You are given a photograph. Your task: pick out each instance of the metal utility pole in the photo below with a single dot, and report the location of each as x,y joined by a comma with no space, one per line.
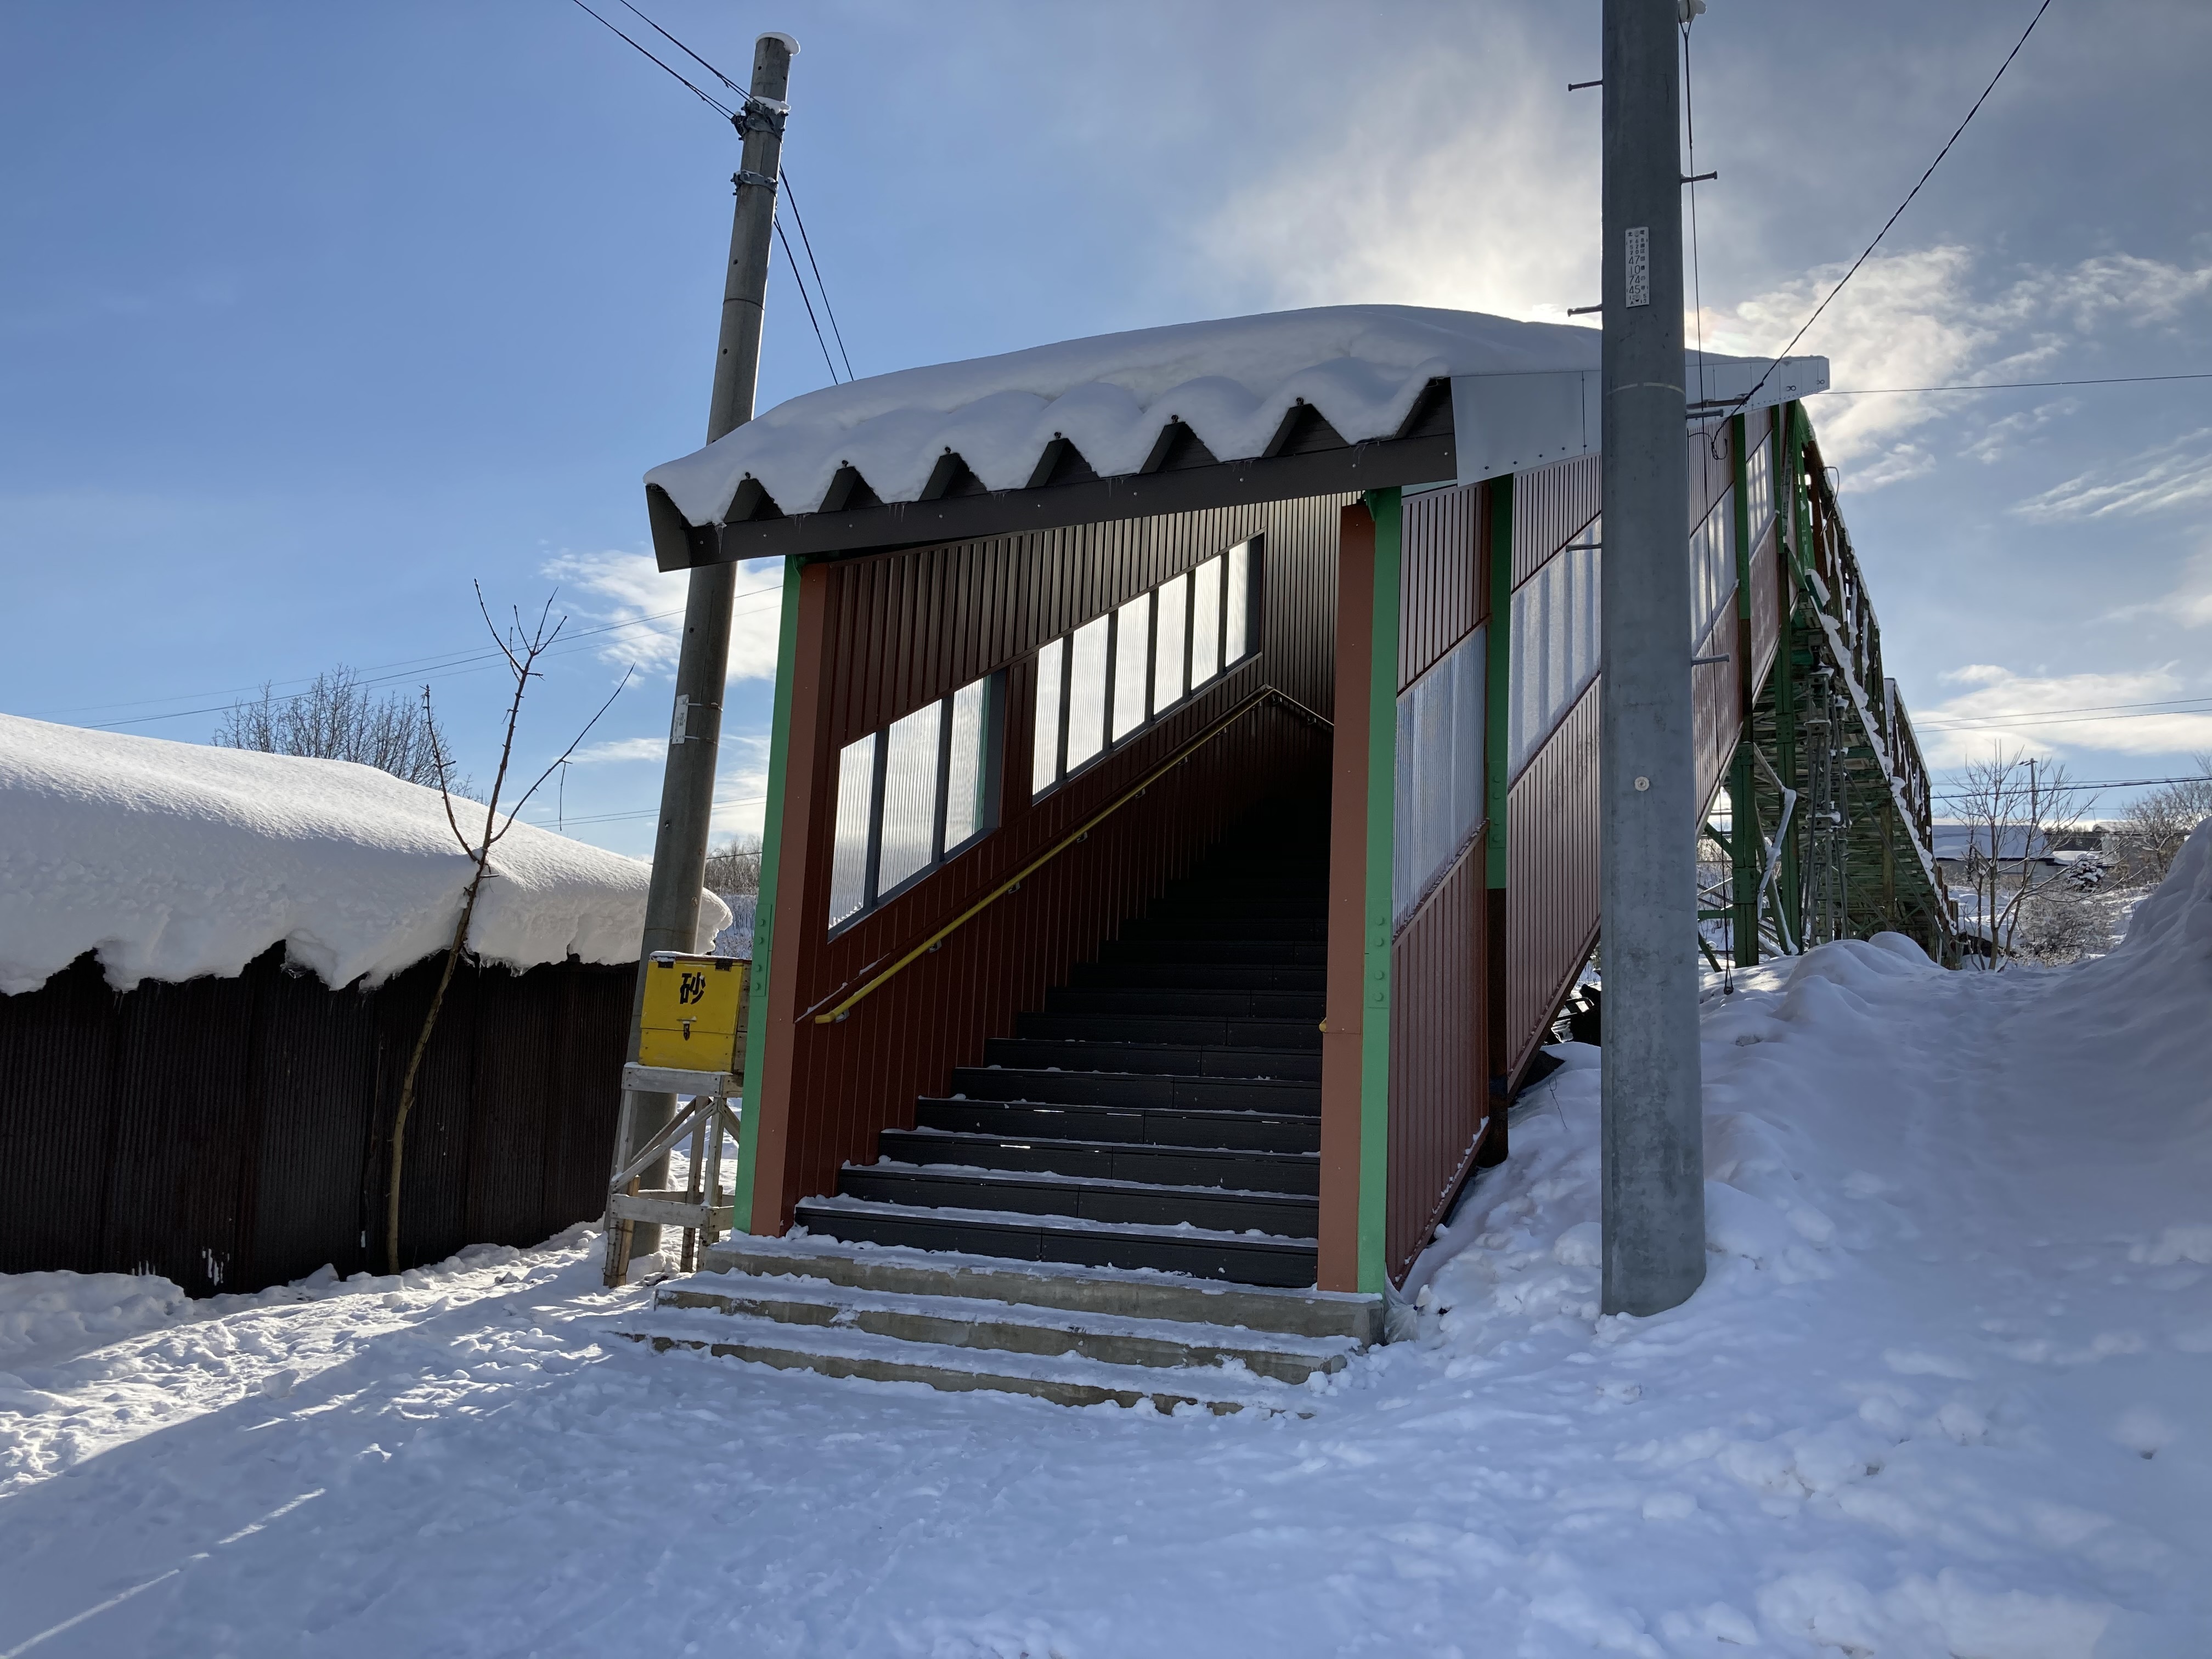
694,733
1654,1128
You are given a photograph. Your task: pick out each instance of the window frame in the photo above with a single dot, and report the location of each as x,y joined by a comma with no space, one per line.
1254,550
990,746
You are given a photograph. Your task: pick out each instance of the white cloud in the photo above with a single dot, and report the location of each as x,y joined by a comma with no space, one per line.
2176,473
2189,603
617,750
629,589
741,786
1926,319
1474,184
1997,709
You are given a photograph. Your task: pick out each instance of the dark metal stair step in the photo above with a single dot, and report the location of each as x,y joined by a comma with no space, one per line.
1135,1125
1208,1030
1249,977
1114,1161
1235,905
1184,1002
1244,1260
1314,928
1172,1059
1276,954
1281,1215
1299,1096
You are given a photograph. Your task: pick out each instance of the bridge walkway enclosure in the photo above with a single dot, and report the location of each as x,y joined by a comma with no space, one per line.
1181,827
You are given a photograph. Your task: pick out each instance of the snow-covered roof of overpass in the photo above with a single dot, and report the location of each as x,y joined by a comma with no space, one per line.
1242,388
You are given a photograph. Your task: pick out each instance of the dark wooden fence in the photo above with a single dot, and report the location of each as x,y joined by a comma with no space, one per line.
231,1134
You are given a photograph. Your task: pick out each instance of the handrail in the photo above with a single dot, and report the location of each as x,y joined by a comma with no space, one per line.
1267,694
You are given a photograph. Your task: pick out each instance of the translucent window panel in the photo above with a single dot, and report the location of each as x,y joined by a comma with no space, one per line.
1171,638
1204,623
1712,565
1132,668
1235,619
848,860
1044,764
964,776
1086,692
1758,485
909,813
1556,623
1438,781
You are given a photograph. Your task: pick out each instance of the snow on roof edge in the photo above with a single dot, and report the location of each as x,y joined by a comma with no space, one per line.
175,861
1232,381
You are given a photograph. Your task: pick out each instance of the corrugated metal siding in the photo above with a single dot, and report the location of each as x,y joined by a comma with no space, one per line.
1551,505
909,627
1443,597
1551,859
1715,704
230,1133
1439,1057
1712,469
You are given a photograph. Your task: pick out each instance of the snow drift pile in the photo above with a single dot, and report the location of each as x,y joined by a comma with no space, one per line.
173,860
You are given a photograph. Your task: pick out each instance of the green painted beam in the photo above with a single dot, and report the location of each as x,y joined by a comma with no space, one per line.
1497,688
1388,507
779,754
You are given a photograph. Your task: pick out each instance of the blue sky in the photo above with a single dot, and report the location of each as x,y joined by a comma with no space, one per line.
313,315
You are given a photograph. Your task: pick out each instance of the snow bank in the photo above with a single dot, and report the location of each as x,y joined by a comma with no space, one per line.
1230,381
172,859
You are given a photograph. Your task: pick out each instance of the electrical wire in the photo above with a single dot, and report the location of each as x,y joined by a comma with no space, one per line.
2038,714
820,286
2014,385
716,104
687,51
1901,206
811,318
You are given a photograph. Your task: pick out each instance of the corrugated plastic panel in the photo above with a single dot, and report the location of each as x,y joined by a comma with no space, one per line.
1716,706
1552,859
1439,1059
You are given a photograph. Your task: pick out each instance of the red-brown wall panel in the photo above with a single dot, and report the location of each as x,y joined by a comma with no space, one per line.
1551,860
1441,595
1439,1057
1551,506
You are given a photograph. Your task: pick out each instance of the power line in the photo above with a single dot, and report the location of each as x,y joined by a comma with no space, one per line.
2038,714
716,104
450,667
806,241
1901,206
801,282
2014,385
687,51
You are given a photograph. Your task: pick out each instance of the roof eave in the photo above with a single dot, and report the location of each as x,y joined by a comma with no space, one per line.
1376,464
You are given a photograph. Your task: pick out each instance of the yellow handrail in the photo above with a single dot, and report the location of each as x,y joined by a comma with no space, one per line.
1265,694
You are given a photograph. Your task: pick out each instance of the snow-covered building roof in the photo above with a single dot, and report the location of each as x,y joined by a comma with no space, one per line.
1237,393
173,861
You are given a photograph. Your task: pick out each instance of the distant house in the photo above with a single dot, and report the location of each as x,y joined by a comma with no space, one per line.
213,967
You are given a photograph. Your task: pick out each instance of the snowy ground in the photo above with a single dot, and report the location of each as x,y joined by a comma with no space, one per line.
1944,1392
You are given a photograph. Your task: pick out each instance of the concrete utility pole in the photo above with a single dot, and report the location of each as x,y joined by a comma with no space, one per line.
1654,1135
694,734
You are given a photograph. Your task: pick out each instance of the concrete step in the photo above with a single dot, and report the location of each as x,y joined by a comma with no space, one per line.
1065,1379
1141,1294
1083,1198
1142,999
1240,1258
995,1327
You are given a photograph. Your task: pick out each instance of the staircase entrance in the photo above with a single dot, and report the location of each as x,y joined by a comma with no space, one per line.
1162,1109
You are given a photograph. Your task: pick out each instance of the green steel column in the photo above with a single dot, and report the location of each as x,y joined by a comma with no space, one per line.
1743,802
779,749
1789,888
1386,507
1497,705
